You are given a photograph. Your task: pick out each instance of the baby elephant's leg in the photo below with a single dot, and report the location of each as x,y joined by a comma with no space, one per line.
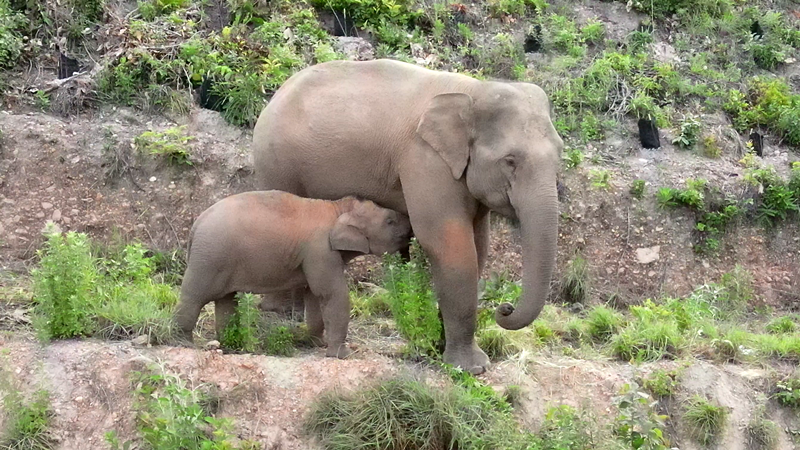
195,294
314,321
224,308
335,309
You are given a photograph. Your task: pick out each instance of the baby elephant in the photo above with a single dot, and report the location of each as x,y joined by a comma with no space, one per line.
272,241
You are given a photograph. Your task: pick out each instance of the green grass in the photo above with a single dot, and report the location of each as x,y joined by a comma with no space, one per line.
661,382
408,413
575,281
27,422
602,323
704,420
171,144
782,325
762,433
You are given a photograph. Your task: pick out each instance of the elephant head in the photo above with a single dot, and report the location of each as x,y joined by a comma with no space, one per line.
500,138
368,228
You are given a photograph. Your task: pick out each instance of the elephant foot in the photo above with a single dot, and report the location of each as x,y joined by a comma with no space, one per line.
183,338
340,351
469,358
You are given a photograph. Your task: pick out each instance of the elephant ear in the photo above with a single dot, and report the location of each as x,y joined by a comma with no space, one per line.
446,127
346,236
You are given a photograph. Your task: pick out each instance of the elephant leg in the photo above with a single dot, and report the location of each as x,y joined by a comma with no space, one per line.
335,315
450,245
224,308
316,326
196,292
481,228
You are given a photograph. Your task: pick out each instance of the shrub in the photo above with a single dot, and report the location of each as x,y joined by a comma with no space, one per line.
412,301
403,413
173,416
689,132
573,158
711,148
11,42
661,383
63,285
171,143
704,420
638,189
575,281
637,424
280,341
564,427
241,331
787,392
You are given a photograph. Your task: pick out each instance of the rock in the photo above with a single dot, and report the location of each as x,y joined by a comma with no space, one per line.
153,179
46,205
647,255
141,341
354,48
40,215
651,274
56,215
211,345
2,230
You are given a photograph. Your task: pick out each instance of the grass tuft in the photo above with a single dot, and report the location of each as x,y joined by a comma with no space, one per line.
704,420
575,281
762,433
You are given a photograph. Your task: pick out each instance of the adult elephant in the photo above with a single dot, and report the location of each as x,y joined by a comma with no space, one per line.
443,148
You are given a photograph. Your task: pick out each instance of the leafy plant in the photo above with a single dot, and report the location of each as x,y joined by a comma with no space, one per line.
564,427
601,178
704,420
241,332
280,341
171,143
63,285
638,189
661,383
412,301
573,157
27,421
173,416
711,148
11,41
787,392
637,424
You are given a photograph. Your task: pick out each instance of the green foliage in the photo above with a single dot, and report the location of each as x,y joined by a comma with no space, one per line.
602,322
593,32
412,301
575,281
777,197
710,146
500,288
173,416
499,8
280,341
637,424
601,178
573,158
150,9
496,343
26,421
63,285
78,294
403,413
564,427
762,433
590,128
172,144
638,189
768,103
685,9
12,24
787,392
240,332
661,382
704,420
689,133
784,324
648,338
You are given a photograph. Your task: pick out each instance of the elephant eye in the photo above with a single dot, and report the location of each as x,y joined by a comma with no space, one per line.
510,161
390,221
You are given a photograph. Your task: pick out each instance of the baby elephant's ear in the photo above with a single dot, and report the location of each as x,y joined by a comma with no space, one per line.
347,237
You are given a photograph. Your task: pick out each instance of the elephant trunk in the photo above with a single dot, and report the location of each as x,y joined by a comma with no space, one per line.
537,210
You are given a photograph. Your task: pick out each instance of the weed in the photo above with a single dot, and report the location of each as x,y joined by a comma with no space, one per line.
661,382
500,288
499,8
63,285
241,332
637,423
27,421
12,24
564,427
689,132
496,343
403,413
573,158
412,301
787,392
711,148
602,322
762,433
704,420
172,415
171,143
593,32
369,304
280,341
601,178
785,324
638,189
651,336
575,281
150,9
590,128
